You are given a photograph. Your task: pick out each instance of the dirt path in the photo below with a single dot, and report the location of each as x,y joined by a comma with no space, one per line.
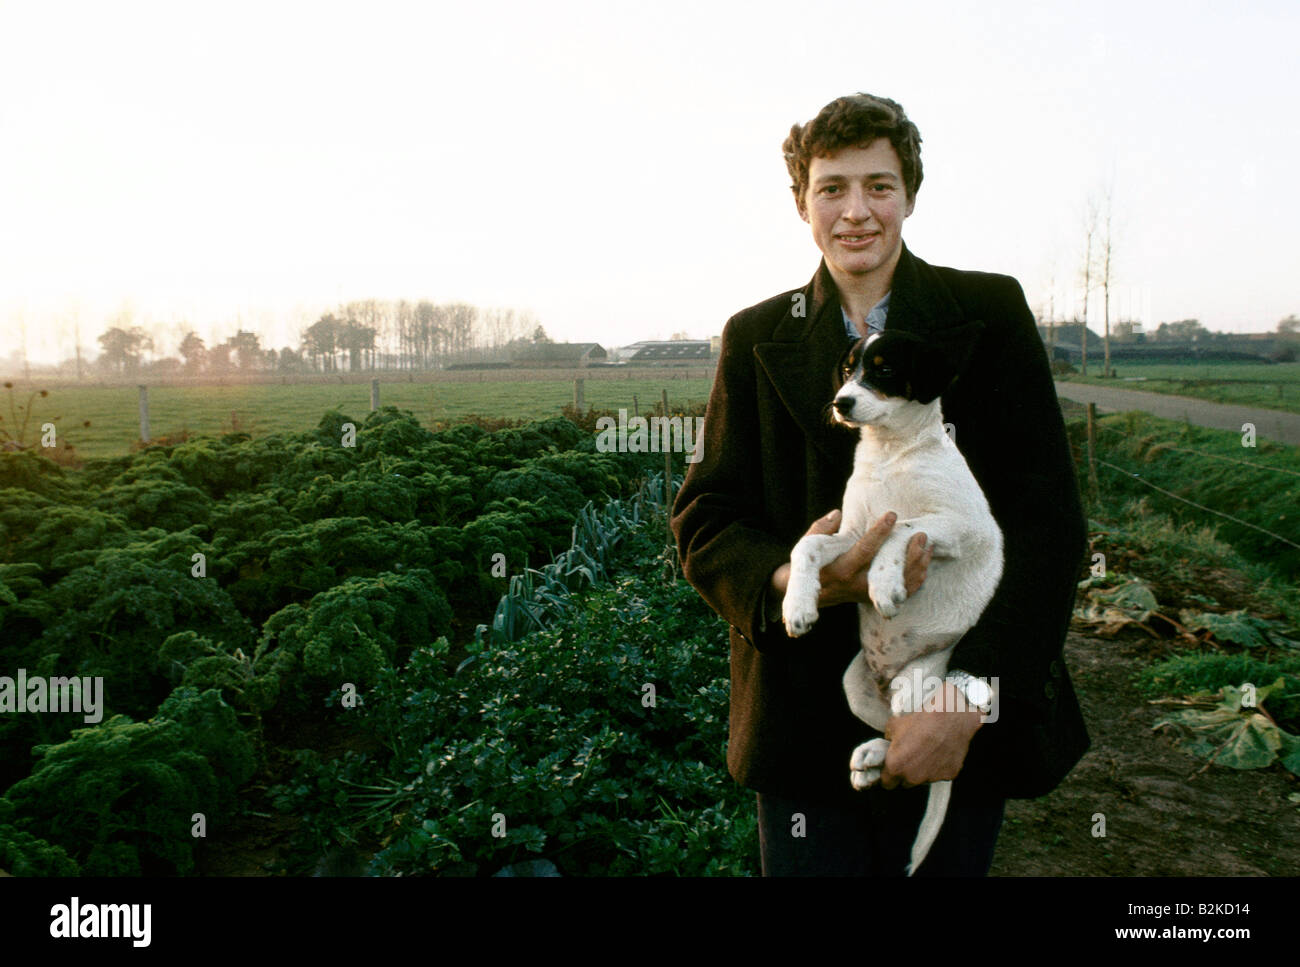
1163,816
1269,424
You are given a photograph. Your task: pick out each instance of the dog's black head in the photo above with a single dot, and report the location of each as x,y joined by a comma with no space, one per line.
904,365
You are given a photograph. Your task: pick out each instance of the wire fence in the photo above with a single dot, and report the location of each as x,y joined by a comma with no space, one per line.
1209,456
1094,462
1209,510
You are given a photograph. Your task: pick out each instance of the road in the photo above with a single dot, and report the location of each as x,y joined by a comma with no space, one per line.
1269,424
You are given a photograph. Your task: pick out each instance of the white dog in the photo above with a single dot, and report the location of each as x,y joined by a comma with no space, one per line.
905,462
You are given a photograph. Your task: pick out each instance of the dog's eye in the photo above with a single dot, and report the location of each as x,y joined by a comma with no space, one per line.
886,370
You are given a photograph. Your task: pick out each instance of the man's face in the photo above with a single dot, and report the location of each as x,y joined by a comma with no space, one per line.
856,204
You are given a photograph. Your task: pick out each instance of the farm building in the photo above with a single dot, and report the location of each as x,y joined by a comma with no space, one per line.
559,355
674,351
1063,343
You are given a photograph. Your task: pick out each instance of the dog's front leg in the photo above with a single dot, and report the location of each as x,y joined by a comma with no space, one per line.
887,587
885,578
810,555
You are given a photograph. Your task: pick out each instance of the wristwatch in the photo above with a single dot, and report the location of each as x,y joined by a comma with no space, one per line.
978,692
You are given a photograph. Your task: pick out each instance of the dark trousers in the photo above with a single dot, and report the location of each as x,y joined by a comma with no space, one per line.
873,836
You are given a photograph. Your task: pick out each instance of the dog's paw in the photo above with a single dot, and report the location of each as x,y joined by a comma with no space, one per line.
888,592
864,765
864,779
798,616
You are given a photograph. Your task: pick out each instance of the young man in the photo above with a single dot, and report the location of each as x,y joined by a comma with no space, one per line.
773,467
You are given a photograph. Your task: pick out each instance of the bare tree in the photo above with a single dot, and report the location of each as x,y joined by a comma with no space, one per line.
427,332
1108,248
76,335
461,318
409,335
1090,237
1051,315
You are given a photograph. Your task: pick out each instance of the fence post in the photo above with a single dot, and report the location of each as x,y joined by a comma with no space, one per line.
144,414
668,475
1093,488
579,403
636,409
374,395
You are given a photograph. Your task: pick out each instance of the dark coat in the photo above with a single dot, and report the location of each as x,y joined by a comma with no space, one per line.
772,463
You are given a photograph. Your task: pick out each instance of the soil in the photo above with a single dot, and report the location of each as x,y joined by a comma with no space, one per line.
1164,816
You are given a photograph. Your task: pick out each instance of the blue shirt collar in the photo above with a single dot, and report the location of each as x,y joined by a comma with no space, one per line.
875,319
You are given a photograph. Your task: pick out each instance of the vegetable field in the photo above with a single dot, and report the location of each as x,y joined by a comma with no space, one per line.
391,651
251,603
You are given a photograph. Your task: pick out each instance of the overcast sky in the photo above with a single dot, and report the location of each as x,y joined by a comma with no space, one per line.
615,167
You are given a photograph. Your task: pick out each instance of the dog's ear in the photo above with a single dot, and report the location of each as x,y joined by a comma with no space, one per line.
945,356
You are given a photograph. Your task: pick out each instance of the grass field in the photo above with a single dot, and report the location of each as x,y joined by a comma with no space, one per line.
113,412
1247,384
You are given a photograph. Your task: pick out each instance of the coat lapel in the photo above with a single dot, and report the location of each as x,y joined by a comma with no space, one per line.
802,360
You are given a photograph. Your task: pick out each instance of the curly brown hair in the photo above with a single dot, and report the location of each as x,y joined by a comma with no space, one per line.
853,121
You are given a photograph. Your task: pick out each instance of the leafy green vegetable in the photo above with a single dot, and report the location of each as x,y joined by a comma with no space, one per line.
1131,601
119,797
1233,735
1238,627
352,631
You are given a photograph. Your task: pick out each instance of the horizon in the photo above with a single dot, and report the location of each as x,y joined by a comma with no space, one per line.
13,366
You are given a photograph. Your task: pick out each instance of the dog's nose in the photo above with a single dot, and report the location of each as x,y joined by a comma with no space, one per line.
843,404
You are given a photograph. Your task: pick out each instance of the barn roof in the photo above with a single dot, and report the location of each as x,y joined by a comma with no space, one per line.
677,349
558,352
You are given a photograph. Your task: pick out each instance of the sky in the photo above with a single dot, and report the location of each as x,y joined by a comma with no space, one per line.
615,168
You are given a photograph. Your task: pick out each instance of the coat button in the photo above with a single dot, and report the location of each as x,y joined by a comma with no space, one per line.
1049,691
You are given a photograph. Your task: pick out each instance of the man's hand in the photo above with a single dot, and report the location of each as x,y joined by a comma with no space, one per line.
929,746
845,578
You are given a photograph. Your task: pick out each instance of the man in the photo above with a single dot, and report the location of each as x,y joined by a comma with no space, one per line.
772,467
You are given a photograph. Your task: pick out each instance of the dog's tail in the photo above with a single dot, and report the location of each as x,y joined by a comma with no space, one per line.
935,809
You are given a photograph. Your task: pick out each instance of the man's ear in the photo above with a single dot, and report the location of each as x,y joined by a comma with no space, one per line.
911,205
798,204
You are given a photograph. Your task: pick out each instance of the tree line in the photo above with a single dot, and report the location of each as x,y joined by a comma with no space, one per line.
363,336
